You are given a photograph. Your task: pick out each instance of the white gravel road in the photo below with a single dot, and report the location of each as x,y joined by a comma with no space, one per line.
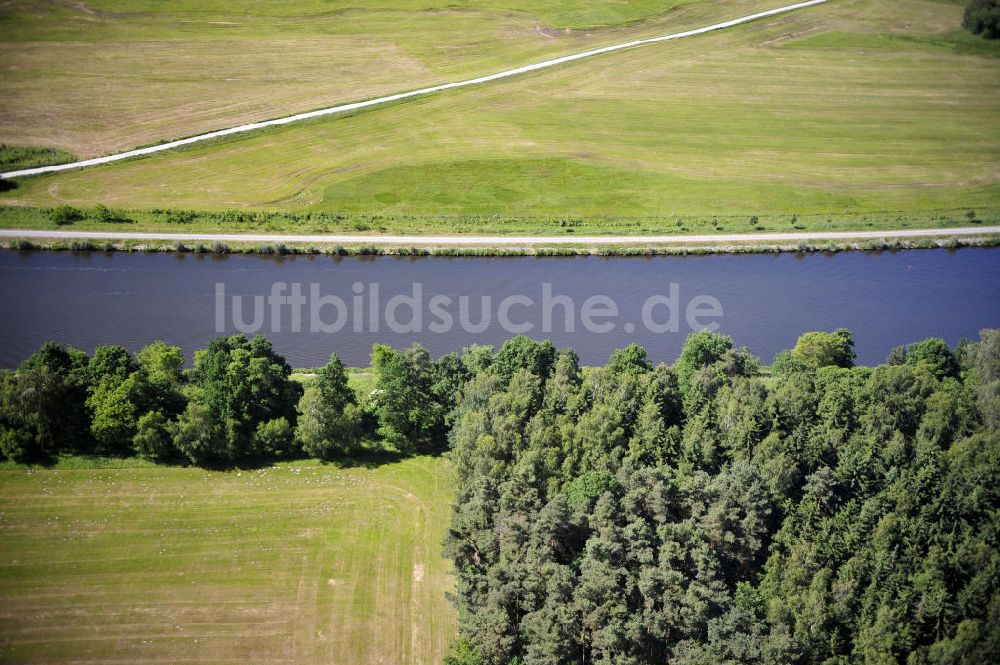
403,95
432,241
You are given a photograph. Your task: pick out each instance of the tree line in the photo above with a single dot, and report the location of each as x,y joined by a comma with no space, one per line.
238,404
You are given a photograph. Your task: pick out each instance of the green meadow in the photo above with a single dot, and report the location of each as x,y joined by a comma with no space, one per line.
101,76
295,563
854,114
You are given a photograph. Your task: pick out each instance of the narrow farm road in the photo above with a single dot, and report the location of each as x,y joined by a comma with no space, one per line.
343,108
489,241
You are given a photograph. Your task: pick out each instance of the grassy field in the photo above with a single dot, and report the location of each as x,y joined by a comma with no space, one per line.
98,76
302,563
843,115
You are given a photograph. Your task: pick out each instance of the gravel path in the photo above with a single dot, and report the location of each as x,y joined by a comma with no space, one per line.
431,240
403,95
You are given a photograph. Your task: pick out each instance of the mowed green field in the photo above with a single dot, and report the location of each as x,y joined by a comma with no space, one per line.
99,76
296,564
854,114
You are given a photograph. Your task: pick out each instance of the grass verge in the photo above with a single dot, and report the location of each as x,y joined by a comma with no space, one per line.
14,157
277,222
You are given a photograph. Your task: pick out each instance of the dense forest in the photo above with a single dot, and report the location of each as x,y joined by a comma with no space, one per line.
713,511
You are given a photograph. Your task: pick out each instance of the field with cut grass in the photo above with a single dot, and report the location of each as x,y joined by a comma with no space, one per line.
99,76
853,114
301,563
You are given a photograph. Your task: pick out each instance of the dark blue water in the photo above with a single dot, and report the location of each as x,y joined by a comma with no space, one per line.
767,301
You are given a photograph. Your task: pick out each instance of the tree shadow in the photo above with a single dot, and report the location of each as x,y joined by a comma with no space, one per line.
369,459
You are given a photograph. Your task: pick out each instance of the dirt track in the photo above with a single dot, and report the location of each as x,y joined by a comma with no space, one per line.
718,240
403,95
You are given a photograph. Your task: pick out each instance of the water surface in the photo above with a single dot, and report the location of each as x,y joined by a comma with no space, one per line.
890,298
